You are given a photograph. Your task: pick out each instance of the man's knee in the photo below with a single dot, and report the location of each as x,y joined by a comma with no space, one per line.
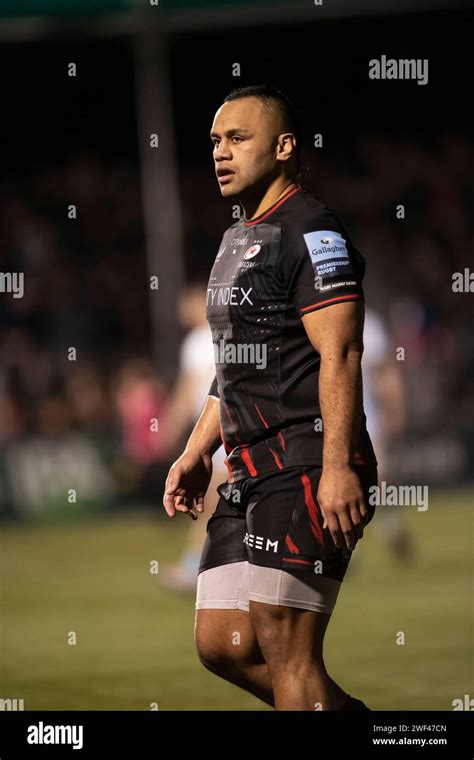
214,655
269,622
222,642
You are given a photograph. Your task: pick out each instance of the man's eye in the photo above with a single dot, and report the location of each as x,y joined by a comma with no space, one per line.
234,137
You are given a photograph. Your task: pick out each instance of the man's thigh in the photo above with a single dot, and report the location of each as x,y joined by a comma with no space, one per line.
293,562
224,634
265,543
222,581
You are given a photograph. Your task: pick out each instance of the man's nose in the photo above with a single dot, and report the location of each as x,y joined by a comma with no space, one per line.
222,152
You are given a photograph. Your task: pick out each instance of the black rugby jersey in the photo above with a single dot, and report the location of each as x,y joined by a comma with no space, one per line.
270,271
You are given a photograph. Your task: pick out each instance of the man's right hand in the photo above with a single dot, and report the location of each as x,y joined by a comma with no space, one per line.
187,481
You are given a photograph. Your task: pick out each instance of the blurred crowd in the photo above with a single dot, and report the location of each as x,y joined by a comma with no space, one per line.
85,288
407,205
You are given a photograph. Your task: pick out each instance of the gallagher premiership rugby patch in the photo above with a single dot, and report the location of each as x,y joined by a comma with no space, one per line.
328,253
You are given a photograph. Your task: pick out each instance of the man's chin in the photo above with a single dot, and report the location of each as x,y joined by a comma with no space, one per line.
228,190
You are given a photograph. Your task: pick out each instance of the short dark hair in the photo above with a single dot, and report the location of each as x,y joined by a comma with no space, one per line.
272,96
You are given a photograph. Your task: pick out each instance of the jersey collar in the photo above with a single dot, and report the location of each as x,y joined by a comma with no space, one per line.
273,207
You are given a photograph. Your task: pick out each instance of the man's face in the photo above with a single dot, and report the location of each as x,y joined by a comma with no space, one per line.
244,144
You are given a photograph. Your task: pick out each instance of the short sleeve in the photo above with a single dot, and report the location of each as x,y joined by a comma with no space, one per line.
214,390
319,264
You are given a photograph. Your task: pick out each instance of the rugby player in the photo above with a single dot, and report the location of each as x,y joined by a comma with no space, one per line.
285,305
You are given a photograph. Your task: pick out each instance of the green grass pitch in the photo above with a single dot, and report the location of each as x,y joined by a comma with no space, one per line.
135,641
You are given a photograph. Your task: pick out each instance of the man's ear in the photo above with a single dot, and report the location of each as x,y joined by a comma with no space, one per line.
285,140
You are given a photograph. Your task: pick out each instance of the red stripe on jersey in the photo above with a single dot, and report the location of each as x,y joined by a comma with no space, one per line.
272,208
246,458
277,461
280,436
291,546
300,561
261,416
349,296
312,510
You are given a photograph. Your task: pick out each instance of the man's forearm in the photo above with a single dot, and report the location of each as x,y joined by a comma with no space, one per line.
206,436
340,397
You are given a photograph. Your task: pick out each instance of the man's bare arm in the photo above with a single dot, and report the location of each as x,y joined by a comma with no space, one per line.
206,435
189,477
336,333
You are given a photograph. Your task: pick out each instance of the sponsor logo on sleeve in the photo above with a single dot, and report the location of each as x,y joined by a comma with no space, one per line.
329,254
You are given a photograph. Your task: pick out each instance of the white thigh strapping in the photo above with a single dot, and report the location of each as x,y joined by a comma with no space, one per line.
231,587
224,588
305,590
